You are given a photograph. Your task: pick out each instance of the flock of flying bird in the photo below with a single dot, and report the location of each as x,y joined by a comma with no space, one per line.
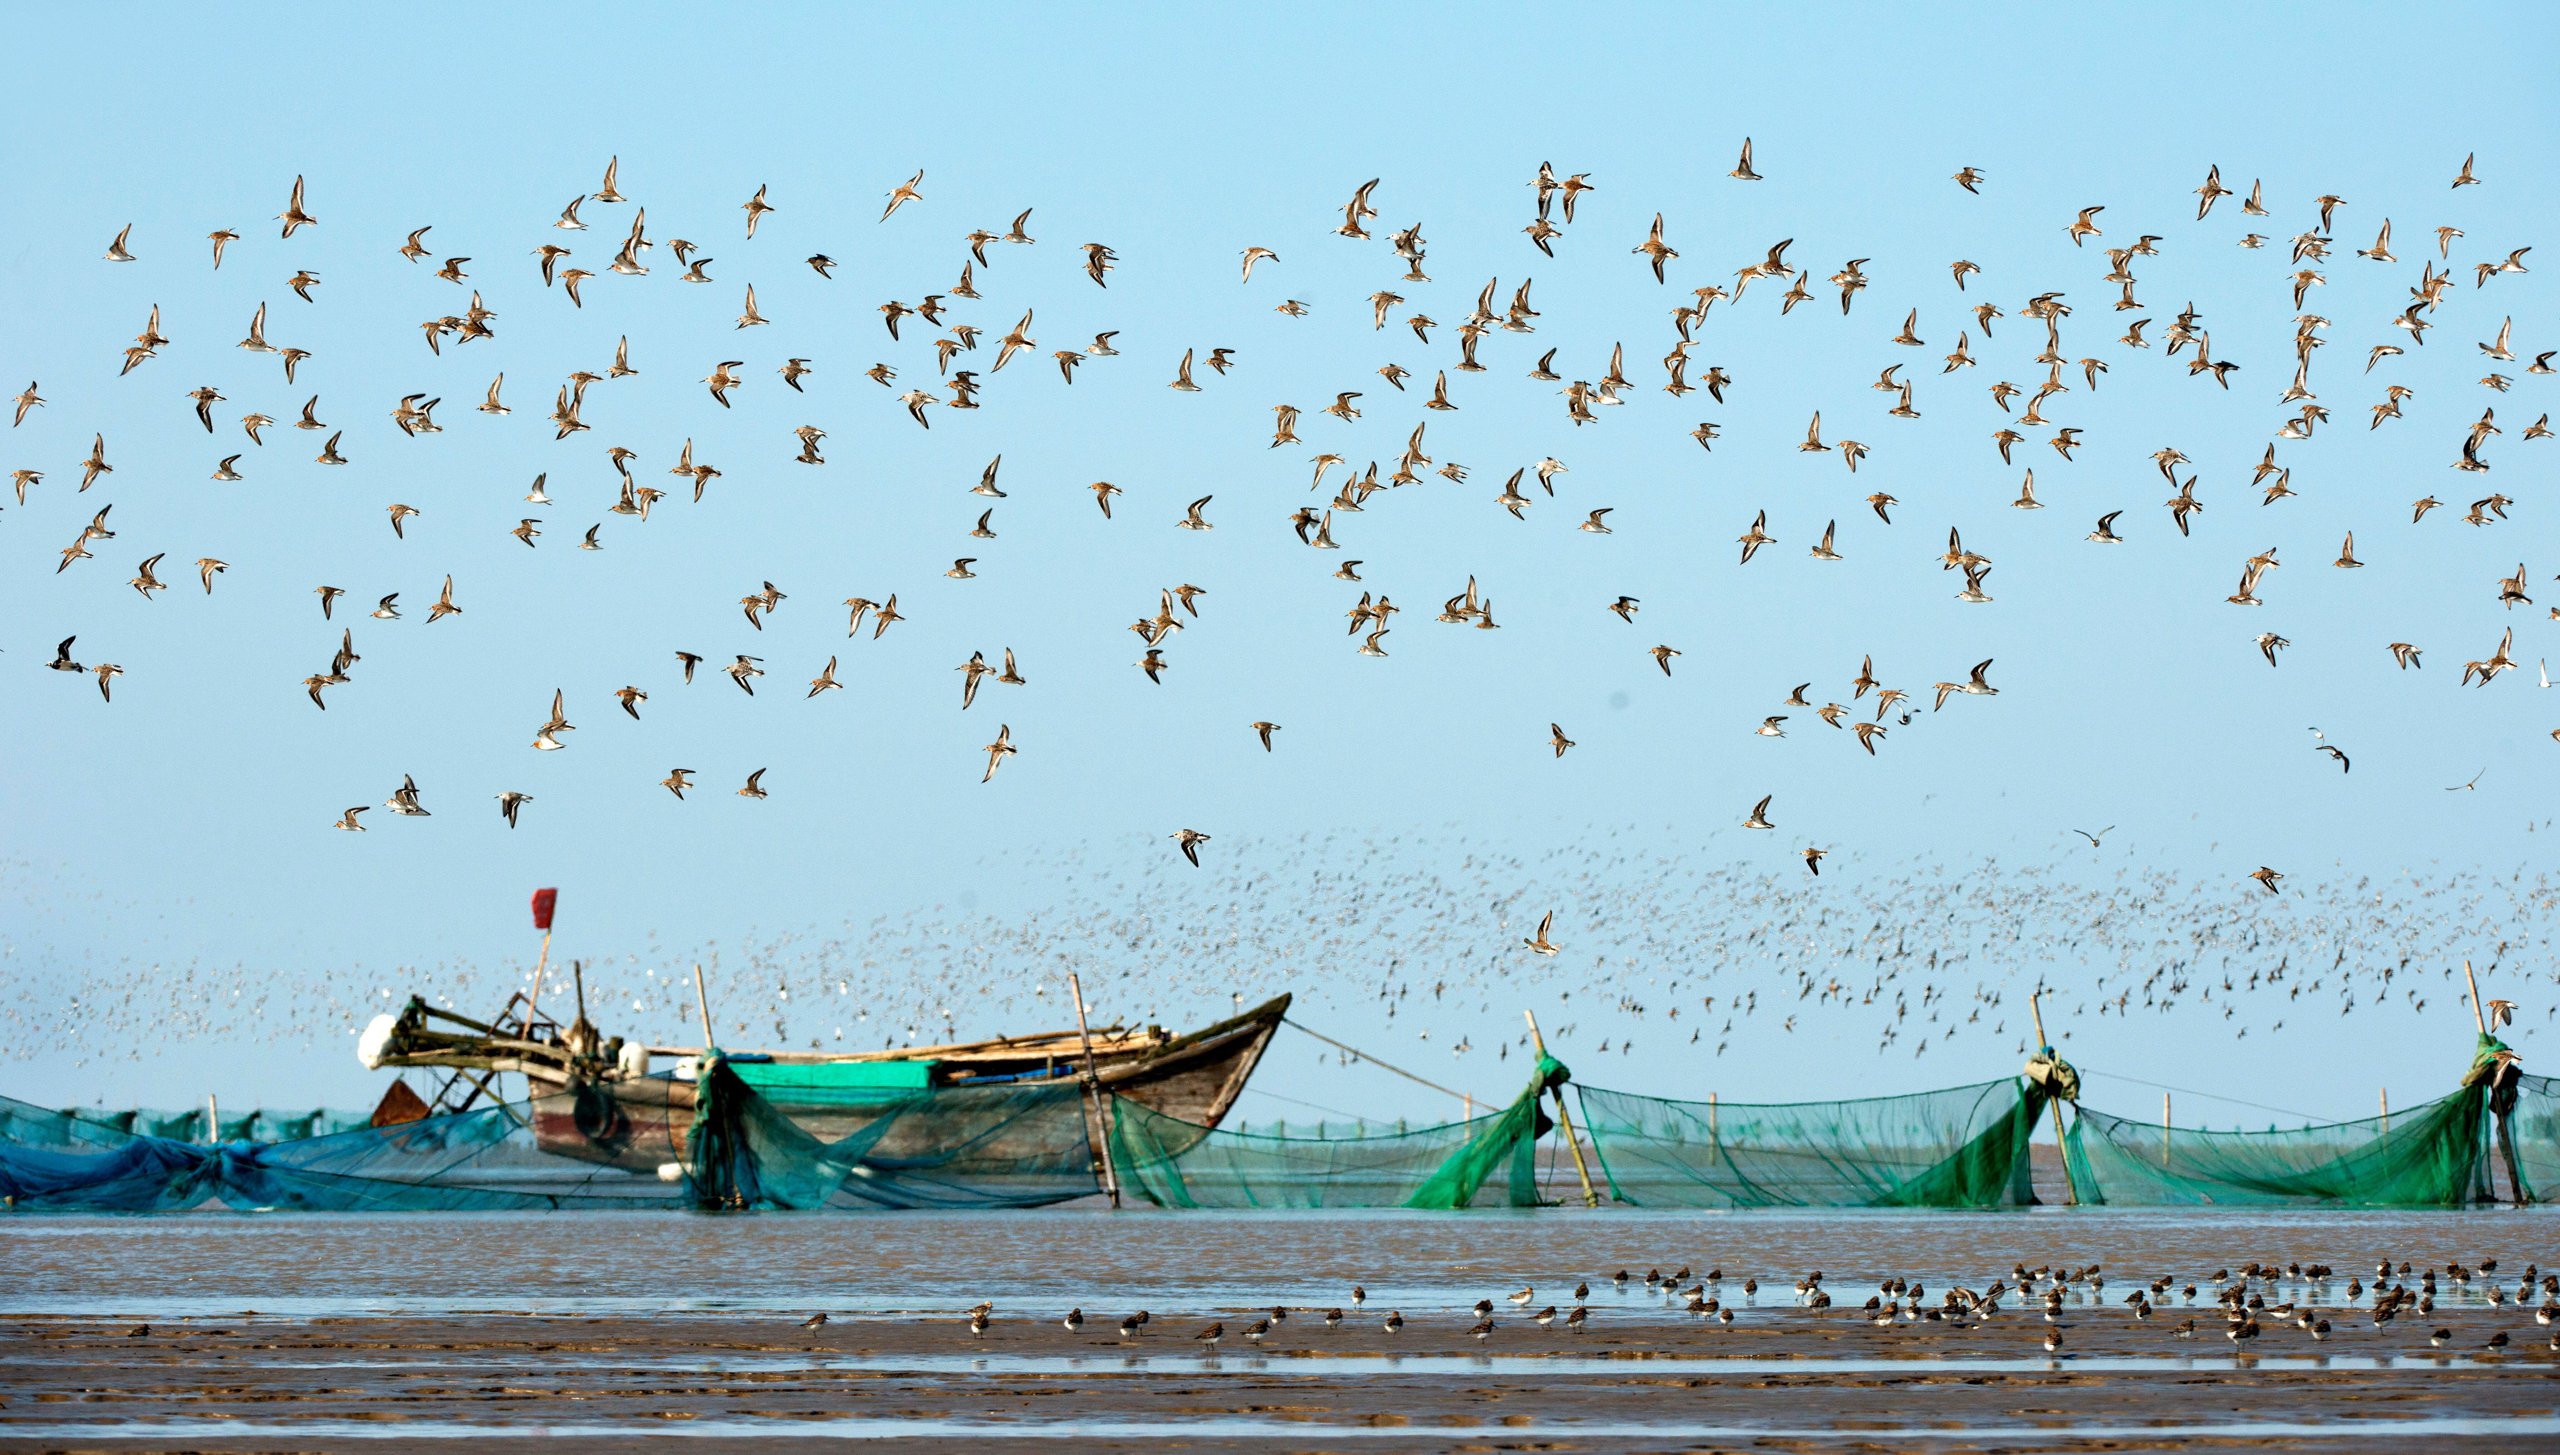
2027,415
1723,975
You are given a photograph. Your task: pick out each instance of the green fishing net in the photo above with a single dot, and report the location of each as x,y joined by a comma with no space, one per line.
2429,1156
719,1142
2446,1153
1173,1163
1961,1147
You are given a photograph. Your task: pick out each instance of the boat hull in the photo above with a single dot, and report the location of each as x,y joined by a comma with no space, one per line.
988,1125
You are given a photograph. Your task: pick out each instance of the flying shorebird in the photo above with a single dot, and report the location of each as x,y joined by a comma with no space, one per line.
404,799
999,750
1540,942
904,193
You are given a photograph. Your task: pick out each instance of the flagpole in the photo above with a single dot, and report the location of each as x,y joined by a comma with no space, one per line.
545,903
533,1001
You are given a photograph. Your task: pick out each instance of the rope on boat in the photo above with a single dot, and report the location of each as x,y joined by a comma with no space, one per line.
1466,1097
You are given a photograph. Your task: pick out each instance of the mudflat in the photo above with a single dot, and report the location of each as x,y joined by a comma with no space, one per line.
233,1333
1788,1378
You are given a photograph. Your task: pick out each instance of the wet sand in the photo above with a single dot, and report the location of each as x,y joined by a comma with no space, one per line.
613,1333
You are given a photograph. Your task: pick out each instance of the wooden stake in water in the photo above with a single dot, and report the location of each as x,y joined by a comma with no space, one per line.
2506,1150
2070,1188
1564,1120
1094,1108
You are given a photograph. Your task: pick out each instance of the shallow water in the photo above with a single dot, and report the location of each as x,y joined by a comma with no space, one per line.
320,1265
1318,1364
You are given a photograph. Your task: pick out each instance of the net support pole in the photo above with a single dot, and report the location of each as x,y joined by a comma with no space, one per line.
702,1002
1564,1120
1094,1110
2070,1189
212,1120
2164,1131
2506,1151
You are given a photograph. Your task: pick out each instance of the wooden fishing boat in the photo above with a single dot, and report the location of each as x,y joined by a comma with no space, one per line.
956,1106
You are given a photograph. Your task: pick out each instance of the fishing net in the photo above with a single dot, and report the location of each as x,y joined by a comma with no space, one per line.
944,1147
1962,1147
2534,1129
503,1156
720,1142
2436,1155
967,1147
2429,1156
1173,1163
265,1124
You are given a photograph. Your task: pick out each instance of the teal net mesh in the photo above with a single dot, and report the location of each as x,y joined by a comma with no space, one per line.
2534,1125
505,1156
947,1147
652,1143
265,1124
1486,1161
1961,1147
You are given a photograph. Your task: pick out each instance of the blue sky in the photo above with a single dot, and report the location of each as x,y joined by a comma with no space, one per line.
173,847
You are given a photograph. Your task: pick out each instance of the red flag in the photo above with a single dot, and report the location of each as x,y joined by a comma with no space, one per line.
543,901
